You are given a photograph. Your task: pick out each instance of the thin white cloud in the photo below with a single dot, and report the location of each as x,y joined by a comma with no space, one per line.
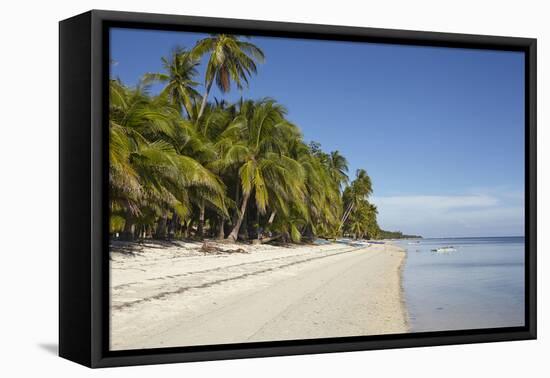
438,202
458,215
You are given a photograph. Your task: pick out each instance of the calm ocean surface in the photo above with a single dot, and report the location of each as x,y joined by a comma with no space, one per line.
480,285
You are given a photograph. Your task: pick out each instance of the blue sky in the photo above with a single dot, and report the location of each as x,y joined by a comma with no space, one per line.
439,130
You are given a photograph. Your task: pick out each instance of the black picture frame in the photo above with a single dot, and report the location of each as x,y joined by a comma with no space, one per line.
83,228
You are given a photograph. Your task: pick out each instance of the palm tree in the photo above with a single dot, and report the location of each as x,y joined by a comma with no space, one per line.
231,59
338,167
323,196
172,170
362,221
180,69
362,185
253,145
358,191
207,130
147,173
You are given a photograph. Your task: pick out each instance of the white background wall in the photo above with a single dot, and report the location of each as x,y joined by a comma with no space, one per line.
29,185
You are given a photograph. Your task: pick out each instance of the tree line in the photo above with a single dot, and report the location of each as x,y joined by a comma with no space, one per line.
185,166
397,235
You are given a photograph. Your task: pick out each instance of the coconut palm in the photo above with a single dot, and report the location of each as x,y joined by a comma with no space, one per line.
323,196
359,190
180,69
174,171
146,171
231,60
362,185
207,130
253,145
338,167
362,221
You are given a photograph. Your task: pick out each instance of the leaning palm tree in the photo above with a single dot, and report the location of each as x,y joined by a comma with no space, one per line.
180,70
231,60
338,167
323,196
362,221
355,194
362,185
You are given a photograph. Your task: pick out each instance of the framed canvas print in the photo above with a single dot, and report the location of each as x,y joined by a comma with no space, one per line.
234,188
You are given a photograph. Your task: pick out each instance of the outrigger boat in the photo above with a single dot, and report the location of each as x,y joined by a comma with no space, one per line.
444,249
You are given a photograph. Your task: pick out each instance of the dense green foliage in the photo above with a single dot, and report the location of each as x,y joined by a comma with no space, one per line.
397,235
181,166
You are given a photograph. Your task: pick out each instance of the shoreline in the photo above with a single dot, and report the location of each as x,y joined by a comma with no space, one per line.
172,294
402,294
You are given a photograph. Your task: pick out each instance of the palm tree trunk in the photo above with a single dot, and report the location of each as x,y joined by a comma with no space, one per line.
235,232
128,232
221,232
200,229
204,99
129,227
172,226
244,230
346,215
258,229
188,112
237,197
161,227
272,217
185,230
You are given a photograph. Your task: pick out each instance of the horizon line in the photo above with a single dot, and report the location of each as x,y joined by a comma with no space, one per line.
472,237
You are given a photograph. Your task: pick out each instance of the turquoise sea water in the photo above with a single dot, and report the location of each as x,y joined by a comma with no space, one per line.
480,285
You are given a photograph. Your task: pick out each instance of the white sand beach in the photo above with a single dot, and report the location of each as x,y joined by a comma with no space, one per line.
175,295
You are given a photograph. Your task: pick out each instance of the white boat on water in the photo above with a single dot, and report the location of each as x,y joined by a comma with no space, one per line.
447,249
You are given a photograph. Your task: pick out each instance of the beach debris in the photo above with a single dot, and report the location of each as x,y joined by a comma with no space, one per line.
212,248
